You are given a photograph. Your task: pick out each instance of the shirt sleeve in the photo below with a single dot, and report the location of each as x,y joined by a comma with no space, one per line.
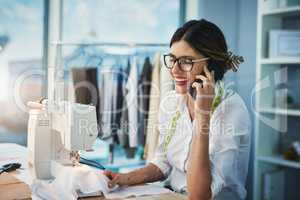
229,148
223,167
160,157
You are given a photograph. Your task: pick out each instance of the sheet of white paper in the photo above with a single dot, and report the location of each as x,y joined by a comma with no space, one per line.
141,190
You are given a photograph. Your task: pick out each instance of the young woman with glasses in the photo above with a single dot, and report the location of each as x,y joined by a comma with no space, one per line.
203,147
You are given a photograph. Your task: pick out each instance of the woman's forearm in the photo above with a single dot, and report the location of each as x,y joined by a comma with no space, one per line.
147,174
198,173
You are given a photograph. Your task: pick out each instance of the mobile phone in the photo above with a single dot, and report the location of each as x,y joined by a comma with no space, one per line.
193,92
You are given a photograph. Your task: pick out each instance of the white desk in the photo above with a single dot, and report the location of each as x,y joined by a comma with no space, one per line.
15,153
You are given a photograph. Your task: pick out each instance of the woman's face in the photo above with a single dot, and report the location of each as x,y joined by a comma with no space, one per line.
183,80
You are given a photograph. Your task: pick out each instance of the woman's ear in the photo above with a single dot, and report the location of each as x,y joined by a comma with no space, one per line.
202,72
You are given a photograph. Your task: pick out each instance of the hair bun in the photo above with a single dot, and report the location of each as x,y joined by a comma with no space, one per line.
233,61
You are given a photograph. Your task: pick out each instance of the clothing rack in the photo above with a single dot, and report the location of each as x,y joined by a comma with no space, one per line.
117,44
57,45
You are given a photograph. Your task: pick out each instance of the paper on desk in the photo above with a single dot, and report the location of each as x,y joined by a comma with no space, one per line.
141,190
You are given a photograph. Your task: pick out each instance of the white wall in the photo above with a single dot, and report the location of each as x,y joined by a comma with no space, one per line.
246,46
192,11
224,14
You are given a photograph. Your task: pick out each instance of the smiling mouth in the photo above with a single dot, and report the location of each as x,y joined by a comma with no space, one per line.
181,82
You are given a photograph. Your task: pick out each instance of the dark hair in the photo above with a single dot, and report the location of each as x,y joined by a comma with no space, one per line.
207,38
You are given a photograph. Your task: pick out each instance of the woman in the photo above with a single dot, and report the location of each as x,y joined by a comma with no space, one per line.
204,128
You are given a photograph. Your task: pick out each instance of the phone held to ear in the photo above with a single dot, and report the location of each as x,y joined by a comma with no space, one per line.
193,90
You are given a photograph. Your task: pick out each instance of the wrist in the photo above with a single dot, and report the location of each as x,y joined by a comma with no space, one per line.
203,119
203,124
129,178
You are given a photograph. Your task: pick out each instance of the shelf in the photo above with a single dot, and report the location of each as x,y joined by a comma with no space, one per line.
280,111
267,139
279,160
288,11
283,60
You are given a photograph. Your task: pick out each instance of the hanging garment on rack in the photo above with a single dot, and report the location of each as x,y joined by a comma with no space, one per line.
85,81
152,132
123,132
144,87
105,79
107,93
117,102
112,84
124,121
132,103
166,81
120,97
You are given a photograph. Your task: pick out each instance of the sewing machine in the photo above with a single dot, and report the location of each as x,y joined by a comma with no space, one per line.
56,132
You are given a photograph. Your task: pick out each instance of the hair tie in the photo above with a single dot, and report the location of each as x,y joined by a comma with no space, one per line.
233,61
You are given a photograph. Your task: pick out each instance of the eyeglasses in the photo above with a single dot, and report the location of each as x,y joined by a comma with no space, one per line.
184,64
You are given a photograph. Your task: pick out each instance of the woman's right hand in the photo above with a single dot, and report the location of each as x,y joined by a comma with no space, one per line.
116,179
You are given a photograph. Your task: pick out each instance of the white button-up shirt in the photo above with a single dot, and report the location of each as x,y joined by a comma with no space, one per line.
229,145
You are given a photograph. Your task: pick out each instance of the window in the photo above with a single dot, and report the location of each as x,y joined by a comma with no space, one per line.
21,45
120,21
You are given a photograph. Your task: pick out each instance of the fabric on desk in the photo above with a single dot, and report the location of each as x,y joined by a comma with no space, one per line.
229,144
42,190
87,180
152,129
70,179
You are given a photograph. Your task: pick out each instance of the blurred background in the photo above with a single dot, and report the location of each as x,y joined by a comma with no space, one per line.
109,35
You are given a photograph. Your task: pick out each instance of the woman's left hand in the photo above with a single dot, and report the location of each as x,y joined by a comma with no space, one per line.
205,94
